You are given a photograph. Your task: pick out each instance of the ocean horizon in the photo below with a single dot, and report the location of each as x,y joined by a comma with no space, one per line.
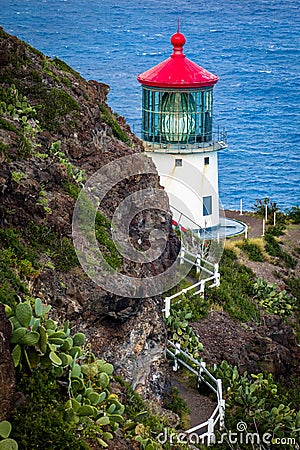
253,46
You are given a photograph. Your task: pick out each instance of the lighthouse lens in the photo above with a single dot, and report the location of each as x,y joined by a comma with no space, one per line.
178,117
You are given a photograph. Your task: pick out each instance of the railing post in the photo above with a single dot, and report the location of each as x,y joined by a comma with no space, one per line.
182,252
202,287
167,306
177,351
221,403
198,264
222,414
210,430
199,378
217,275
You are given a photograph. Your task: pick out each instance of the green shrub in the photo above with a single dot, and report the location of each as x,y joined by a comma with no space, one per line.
62,65
259,207
60,249
73,172
252,250
175,403
197,305
39,422
71,189
277,230
57,104
273,247
110,120
6,125
236,288
293,214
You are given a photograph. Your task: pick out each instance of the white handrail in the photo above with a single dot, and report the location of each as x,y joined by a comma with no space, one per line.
218,414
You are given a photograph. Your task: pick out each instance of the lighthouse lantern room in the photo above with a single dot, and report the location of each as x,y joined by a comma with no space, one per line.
177,113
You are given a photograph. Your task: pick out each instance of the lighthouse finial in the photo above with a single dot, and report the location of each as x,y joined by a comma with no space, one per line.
178,27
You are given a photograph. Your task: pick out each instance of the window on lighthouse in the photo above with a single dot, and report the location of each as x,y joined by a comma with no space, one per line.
178,117
207,205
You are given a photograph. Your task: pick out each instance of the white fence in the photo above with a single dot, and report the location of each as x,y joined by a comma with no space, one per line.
205,430
198,287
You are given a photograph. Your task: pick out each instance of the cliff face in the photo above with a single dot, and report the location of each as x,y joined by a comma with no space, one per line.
55,130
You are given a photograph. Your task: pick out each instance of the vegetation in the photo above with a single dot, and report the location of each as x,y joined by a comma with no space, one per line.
252,250
62,65
175,403
235,292
14,106
293,214
274,301
274,249
143,425
110,120
180,332
73,172
254,400
47,353
6,443
260,206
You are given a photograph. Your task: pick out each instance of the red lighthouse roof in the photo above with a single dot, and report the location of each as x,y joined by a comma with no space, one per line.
177,71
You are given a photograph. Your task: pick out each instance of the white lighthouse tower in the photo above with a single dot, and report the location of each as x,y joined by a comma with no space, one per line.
177,108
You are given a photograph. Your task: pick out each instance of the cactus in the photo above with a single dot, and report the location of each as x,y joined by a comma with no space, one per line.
103,421
105,367
7,443
39,341
66,359
17,335
30,338
55,359
50,324
16,355
87,410
76,352
24,314
68,344
76,371
94,398
78,339
38,307
107,436
5,429
103,380
43,339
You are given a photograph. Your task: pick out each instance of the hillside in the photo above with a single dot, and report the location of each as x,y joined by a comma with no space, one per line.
56,130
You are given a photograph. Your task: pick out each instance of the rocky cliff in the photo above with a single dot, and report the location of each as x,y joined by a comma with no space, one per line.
56,129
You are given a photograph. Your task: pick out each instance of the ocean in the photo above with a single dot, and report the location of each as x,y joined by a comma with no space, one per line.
252,45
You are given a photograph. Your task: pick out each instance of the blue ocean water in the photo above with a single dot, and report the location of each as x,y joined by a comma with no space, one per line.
252,45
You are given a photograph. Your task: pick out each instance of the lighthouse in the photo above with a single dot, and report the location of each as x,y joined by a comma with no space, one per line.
177,132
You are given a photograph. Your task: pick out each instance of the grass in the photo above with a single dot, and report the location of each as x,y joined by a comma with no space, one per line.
235,291
253,248
61,65
110,120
